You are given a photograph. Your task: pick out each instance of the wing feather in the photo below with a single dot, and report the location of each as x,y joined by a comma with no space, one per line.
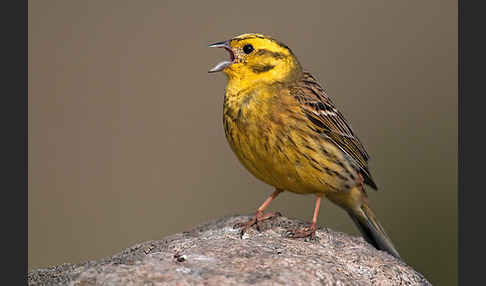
328,120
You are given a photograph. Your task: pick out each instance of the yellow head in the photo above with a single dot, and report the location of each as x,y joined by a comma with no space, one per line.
255,57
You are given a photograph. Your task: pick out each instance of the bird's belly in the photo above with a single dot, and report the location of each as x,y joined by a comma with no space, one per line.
279,158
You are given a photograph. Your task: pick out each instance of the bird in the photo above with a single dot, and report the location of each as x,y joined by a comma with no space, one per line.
286,131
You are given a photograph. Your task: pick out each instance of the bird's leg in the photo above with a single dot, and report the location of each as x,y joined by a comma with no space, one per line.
259,216
309,231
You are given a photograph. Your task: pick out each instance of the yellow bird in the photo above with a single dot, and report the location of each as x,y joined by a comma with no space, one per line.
287,132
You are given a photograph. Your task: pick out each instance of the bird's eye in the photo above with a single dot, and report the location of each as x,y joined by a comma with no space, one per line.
248,49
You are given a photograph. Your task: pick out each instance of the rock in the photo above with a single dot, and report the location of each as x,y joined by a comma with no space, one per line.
214,254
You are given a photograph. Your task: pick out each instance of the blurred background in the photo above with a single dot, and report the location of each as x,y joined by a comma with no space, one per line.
125,124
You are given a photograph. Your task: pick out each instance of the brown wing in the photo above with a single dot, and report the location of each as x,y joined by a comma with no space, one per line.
327,119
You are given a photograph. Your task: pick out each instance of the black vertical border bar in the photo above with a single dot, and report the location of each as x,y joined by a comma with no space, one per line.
14,84
471,143
25,91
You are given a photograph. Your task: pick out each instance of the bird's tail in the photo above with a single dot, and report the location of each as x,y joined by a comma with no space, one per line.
371,229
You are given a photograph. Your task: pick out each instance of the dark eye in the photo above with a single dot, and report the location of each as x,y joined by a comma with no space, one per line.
248,49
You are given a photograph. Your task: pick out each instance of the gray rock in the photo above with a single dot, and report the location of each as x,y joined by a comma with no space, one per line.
214,254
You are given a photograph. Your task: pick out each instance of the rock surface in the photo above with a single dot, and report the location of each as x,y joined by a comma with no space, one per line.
214,254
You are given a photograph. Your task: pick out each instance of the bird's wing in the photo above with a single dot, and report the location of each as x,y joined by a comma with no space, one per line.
326,119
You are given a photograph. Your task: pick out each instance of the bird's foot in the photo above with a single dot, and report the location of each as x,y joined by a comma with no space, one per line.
256,220
304,232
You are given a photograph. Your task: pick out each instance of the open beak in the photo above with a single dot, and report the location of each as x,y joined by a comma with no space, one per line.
222,65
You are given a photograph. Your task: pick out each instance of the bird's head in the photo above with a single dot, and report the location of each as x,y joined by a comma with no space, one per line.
255,57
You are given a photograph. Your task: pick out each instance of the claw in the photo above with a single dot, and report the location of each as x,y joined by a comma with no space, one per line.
256,220
302,233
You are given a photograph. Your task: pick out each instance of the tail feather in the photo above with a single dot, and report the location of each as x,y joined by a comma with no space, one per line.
371,229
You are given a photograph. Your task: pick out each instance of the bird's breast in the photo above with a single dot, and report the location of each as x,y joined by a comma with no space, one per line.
250,130
271,139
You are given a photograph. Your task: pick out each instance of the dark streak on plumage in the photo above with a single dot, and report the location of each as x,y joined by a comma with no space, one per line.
264,52
325,152
261,68
336,173
291,141
327,170
286,156
309,147
316,121
238,117
316,167
314,160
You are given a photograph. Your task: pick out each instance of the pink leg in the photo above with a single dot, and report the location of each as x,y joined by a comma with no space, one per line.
310,231
259,216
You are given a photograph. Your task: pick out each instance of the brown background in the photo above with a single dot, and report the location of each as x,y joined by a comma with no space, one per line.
125,125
